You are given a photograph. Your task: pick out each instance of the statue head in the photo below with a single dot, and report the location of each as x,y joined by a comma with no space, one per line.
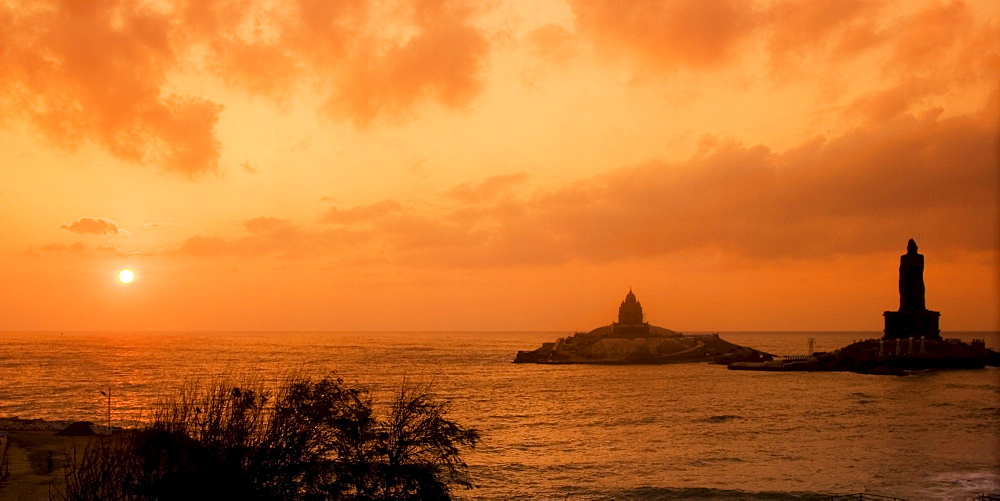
911,247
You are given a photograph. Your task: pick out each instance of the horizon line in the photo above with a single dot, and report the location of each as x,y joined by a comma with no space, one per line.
443,331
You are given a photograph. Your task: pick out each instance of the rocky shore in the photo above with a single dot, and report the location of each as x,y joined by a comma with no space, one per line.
20,424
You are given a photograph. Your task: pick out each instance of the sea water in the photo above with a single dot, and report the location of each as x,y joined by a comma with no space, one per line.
694,431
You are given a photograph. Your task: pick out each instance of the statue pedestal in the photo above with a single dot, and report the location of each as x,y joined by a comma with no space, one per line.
904,324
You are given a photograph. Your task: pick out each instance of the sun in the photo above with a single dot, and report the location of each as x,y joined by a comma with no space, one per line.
126,276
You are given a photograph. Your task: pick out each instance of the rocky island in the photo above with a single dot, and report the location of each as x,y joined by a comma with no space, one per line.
911,339
632,340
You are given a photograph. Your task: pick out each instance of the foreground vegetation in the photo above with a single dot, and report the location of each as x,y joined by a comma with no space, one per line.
309,439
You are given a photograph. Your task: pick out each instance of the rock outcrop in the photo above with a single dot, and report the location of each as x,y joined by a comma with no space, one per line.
600,347
631,340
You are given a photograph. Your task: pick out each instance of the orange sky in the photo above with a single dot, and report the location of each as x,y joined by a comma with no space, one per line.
449,165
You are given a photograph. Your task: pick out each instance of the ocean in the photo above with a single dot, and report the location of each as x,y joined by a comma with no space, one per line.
682,431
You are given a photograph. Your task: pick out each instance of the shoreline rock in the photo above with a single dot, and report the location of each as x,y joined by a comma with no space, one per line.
15,423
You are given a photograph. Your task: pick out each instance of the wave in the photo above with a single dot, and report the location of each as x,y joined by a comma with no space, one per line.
654,493
722,418
966,386
711,461
970,481
706,493
24,424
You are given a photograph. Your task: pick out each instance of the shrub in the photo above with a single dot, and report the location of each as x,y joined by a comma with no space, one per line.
310,439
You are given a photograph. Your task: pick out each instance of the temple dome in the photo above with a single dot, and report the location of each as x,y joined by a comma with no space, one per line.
630,311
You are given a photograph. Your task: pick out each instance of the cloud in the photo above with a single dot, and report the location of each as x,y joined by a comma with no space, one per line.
102,71
552,43
366,213
269,236
853,194
926,176
76,249
73,249
937,51
667,35
159,225
928,36
97,71
821,39
110,249
368,60
440,62
207,247
884,104
94,226
831,28
110,72
487,190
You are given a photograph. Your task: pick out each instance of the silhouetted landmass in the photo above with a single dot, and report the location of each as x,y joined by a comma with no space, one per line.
889,357
77,429
911,339
631,340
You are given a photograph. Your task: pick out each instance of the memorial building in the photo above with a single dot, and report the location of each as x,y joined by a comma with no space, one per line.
630,320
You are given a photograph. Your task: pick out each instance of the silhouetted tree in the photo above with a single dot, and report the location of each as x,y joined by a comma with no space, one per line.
413,453
311,439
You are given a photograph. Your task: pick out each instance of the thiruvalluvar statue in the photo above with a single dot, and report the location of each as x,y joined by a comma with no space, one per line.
913,320
911,279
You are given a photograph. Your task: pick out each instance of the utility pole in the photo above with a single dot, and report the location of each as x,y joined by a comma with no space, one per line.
109,408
